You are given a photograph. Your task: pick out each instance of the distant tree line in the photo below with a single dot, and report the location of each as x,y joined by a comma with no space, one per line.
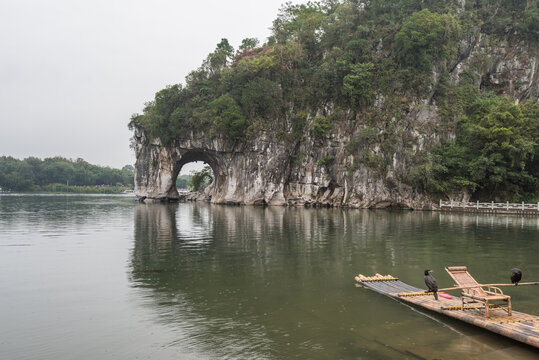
34,174
182,181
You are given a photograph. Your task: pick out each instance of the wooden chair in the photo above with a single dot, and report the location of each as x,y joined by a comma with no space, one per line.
472,292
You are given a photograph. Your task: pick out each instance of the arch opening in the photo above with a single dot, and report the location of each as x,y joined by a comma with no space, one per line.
201,158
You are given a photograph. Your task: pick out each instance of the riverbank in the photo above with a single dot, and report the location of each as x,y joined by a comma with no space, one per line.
74,189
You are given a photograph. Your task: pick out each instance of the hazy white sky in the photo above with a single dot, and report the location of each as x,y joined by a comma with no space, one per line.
72,72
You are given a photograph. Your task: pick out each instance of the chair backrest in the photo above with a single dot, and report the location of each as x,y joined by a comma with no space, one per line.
463,278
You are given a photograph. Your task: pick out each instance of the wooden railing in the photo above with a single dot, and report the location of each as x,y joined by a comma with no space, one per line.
507,206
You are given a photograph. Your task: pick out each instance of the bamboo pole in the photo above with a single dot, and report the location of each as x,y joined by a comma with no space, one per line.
483,285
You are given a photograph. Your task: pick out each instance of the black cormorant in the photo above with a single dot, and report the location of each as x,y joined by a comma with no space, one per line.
516,275
431,283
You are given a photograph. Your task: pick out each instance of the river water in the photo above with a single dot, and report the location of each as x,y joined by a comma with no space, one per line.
103,277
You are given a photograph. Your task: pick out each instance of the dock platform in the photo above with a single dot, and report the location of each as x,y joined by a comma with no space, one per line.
519,326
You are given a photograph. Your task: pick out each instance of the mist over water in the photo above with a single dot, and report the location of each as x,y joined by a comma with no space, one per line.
104,277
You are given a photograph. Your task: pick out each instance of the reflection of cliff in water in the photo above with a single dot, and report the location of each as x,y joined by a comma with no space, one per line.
237,281
202,239
244,282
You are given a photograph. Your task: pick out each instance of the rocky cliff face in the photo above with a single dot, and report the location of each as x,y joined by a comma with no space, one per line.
508,67
357,165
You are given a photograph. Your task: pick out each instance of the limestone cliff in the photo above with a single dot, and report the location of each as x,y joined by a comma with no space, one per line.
335,170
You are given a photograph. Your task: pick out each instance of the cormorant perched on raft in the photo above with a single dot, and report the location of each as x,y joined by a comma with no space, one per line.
431,283
516,275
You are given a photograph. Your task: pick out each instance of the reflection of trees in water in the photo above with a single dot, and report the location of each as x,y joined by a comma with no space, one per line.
56,215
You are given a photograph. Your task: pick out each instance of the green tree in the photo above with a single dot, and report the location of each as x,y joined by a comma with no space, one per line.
15,174
260,97
321,126
58,170
427,37
359,85
529,27
248,43
157,114
220,58
494,155
503,143
302,22
200,179
445,171
226,117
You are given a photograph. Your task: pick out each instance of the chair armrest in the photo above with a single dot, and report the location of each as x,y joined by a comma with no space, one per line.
494,290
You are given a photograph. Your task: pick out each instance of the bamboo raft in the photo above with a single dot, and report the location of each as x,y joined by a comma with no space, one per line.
518,326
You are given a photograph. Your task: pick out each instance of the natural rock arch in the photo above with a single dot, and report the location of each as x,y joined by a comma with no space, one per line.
215,162
266,171
157,167
254,174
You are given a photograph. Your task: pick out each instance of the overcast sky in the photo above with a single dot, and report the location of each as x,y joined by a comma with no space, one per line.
72,72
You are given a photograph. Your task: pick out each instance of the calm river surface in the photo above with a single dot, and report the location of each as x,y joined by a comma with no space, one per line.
103,277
